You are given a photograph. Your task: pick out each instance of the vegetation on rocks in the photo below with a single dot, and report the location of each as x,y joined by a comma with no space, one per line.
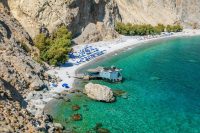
145,29
54,49
174,28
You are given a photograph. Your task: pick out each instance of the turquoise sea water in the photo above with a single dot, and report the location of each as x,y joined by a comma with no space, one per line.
162,80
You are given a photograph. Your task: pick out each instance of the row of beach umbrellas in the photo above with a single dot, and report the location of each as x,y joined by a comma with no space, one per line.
85,54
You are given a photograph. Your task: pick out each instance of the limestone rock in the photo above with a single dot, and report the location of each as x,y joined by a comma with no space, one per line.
36,85
18,71
186,12
58,126
76,14
47,118
99,92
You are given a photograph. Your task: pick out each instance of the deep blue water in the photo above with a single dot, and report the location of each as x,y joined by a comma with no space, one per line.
162,80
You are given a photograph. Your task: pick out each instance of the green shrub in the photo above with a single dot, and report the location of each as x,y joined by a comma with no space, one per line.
130,29
174,28
54,49
144,29
160,27
25,47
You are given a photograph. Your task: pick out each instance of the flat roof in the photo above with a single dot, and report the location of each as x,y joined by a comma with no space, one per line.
98,69
107,69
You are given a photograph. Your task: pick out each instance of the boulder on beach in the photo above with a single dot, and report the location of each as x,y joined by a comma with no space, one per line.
99,92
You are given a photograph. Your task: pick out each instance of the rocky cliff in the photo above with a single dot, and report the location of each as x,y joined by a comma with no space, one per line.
93,17
186,12
18,70
19,74
93,20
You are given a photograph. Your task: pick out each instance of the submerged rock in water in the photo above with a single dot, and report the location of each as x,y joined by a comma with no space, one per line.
125,96
99,128
76,107
119,93
77,117
102,130
66,99
99,92
98,125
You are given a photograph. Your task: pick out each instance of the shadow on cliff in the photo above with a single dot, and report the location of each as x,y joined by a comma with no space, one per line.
16,96
89,12
5,3
9,33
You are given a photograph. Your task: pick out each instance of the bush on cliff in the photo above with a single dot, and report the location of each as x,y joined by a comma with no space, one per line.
54,49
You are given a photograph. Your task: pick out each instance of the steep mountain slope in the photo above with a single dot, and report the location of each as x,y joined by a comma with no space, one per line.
77,14
19,74
187,12
94,19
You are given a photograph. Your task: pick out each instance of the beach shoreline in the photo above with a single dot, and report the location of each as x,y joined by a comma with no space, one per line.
138,44
67,73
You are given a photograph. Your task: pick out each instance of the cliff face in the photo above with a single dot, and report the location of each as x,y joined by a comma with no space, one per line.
186,12
76,14
96,18
18,69
19,74
147,11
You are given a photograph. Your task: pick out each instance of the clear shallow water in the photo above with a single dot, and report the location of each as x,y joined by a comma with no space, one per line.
163,85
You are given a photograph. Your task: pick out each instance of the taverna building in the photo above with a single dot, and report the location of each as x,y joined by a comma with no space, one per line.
111,74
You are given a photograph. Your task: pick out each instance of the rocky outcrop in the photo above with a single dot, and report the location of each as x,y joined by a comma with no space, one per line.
95,32
99,92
